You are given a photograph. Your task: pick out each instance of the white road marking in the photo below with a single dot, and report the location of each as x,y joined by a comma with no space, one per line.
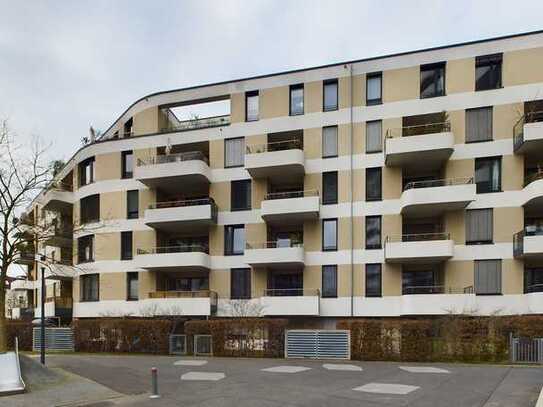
286,369
190,363
351,368
423,369
386,388
210,376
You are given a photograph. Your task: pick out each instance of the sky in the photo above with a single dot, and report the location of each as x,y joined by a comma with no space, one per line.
66,65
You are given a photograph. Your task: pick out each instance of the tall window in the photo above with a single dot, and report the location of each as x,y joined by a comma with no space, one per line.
374,88
330,95
126,245
86,172
488,72
432,80
89,287
132,204
127,159
89,209
374,136
373,184
329,281
373,232
329,141
479,124
132,286
479,226
296,99
251,106
488,174
373,280
329,234
234,152
533,280
85,249
234,240
488,277
240,195
240,284
329,188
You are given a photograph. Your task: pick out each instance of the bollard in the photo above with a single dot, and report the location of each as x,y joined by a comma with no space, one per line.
154,384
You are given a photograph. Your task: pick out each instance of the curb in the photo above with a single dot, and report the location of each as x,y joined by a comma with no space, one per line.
539,402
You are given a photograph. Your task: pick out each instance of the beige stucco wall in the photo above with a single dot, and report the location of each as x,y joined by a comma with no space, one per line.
523,66
108,166
460,76
274,102
401,84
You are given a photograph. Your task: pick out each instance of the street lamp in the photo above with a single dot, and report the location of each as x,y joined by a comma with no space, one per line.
41,259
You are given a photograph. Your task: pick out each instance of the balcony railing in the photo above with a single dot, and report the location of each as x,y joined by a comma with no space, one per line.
419,237
182,294
194,124
534,288
291,194
60,186
186,203
275,244
192,248
291,292
435,289
518,243
518,128
61,302
528,179
438,183
173,158
419,130
274,146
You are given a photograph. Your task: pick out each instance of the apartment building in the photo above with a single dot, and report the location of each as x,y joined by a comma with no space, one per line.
401,185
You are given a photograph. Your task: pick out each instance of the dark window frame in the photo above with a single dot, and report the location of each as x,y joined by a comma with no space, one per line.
229,251
491,124
489,60
479,242
83,259
337,141
130,276
380,244
246,290
326,175
433,67
330,82
224,155
367,293
370,122
291,88
248,95
136,213
126,174
376,170
479,189
127,253
82,170
324,292
84,209
235,194
83,280
379,101
329,249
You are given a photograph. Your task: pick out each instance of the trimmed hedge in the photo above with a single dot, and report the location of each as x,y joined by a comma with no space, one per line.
21,330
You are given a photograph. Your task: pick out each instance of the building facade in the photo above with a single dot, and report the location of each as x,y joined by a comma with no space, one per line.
399,185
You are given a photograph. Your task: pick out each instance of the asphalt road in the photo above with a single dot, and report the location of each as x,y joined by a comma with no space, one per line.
243,382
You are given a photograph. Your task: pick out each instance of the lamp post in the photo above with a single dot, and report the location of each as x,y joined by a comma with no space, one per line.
41,259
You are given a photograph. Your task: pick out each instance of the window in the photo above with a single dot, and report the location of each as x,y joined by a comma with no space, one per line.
132,286
89,209
488,277
479,226
329,141
374,88
90,284
374,143
86,172
488,72
373,184
373,232
234,240
85,249
240,284
488,174
330,95
126,245
329,281
240,195
329,234
128,128
533,280
127,159
329,188
479,124
432,80
188,284
234,152
132,204
373,280
251,106
296,100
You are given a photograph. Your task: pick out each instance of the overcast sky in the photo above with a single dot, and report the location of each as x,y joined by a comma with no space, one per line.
65,65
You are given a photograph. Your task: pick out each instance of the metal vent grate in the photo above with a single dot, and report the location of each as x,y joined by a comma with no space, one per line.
318,344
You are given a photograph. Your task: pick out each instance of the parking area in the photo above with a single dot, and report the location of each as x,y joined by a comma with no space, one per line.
277,382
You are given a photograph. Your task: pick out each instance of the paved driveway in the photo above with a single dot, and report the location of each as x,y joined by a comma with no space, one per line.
276,382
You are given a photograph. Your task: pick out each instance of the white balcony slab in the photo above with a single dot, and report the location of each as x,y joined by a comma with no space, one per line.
532,138
22,285
290,305
428,150
184,217
275,164
532,195
55,199
173,261
436,200
533,246
290,210
417,252
277,257
169,176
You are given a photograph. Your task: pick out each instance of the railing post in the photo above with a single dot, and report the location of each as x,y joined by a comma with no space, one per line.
154,384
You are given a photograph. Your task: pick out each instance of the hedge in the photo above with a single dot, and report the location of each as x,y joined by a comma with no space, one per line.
21,330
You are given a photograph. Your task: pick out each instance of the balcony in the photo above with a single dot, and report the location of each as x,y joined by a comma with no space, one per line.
25,258
429,145
172,258
178,215
433,197
435,289
533,191
419,248
59,235
528,133
275,160
59,197
293,301
528,243
197,124
290,207
22,284
168,172
196,303
277,254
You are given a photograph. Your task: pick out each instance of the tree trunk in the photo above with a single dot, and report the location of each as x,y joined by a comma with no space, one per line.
3,322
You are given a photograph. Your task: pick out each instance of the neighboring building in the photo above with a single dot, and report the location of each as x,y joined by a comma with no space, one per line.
407,184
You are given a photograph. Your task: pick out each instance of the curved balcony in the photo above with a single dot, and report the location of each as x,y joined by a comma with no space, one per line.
428,145
290,207
528,244
59,197
291,301
172,258
25,258
275,160
419,248
203,302
433,197
168,172
60,235
528,133
193,214
533,191
278,254
197,124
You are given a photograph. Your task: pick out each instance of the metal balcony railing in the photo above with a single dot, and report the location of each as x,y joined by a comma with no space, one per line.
291,194
518,243
291,292
275,244
181,294
534,288
419,130
60,302
435,289
534,176
195,124
518,128
274,146
438,183
192,248
173,158
419,237
60,186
